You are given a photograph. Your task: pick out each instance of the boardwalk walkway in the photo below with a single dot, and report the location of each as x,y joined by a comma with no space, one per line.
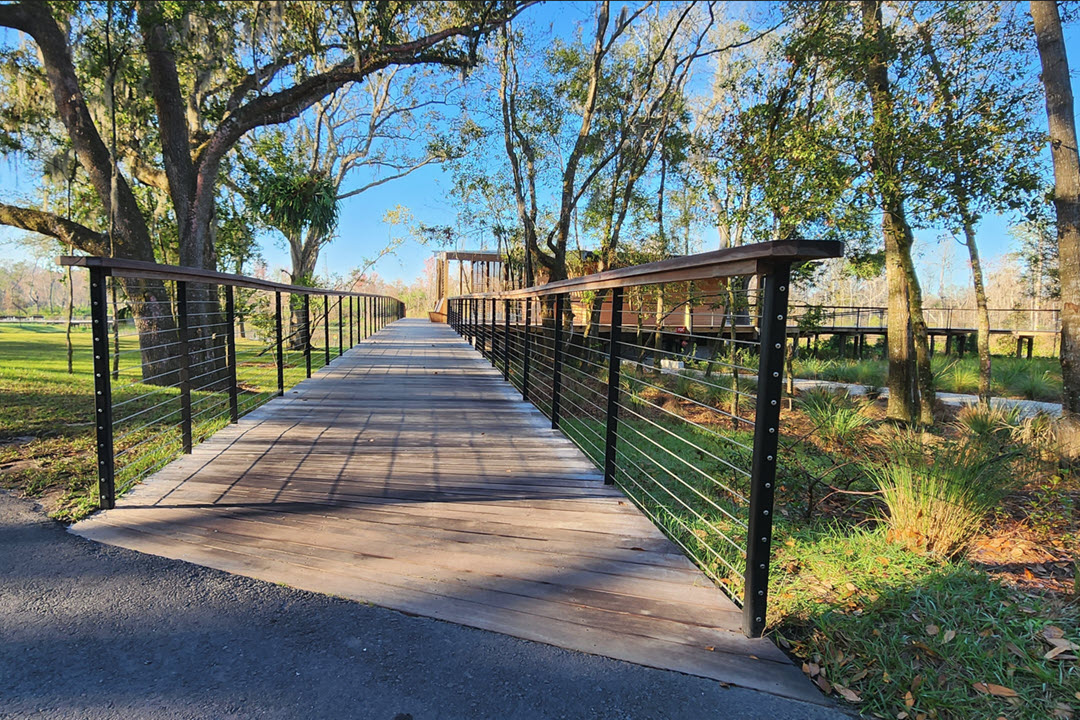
407,474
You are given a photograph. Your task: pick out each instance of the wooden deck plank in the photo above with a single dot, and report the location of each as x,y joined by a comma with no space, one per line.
408,474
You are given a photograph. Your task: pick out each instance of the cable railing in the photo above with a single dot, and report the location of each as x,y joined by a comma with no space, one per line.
180,353
669,377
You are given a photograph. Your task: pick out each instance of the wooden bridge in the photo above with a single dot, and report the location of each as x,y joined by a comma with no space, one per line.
408,474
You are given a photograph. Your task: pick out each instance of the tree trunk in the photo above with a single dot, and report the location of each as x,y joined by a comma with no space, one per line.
923,372
903,376
1063,149
982,316
132,236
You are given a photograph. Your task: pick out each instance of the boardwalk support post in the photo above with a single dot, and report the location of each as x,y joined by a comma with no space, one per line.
506,340
230,354
280,349
326,326
494,332
611,435
307,334
99,312
556,361
340,330
525,351
481,329
185,365
774,284
351,343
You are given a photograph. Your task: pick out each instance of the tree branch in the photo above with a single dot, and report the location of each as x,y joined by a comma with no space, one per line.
44,223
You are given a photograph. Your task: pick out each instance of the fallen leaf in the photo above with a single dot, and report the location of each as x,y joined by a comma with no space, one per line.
909,699
1063,711
1011,647
916,683
1059,650
710,648
814,669
1053,631
932,630
825,685
901,715
848,694
995,690
858,676
948,636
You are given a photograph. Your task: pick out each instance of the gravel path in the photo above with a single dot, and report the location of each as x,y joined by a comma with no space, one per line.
90,631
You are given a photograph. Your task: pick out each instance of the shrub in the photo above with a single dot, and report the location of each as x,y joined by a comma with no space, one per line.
937,495
995,422
1035,386
837,417
959,378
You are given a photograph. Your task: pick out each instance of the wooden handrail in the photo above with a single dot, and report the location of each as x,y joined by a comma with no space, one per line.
120,267
744,260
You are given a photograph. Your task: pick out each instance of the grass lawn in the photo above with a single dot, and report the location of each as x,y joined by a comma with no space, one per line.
46,436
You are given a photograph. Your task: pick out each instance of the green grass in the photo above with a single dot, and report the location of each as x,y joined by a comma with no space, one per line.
884,622
836,416
43,401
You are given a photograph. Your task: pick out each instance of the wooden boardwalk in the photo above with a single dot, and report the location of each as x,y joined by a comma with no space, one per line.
409,475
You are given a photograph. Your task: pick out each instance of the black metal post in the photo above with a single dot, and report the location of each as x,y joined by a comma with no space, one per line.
230,353
340,330
307,334
506,340
280,349
494,332
525,351
326,326
367,312
774,285
185,364
611,436
99,312
351,343
481,329
556,362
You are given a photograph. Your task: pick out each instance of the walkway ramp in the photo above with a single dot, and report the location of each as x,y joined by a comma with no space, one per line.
409,475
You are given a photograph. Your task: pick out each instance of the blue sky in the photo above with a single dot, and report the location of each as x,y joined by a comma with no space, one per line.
426,194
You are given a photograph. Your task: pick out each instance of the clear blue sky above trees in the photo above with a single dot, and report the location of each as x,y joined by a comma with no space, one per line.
361,231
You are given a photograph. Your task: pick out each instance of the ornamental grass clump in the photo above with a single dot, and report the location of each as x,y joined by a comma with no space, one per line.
836,416
936,495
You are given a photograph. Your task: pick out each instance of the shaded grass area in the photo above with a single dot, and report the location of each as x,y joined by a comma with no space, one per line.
46,436
889,625
1034,379
915,637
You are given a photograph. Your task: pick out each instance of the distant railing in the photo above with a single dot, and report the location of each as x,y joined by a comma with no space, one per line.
669,377
179,353
949,319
